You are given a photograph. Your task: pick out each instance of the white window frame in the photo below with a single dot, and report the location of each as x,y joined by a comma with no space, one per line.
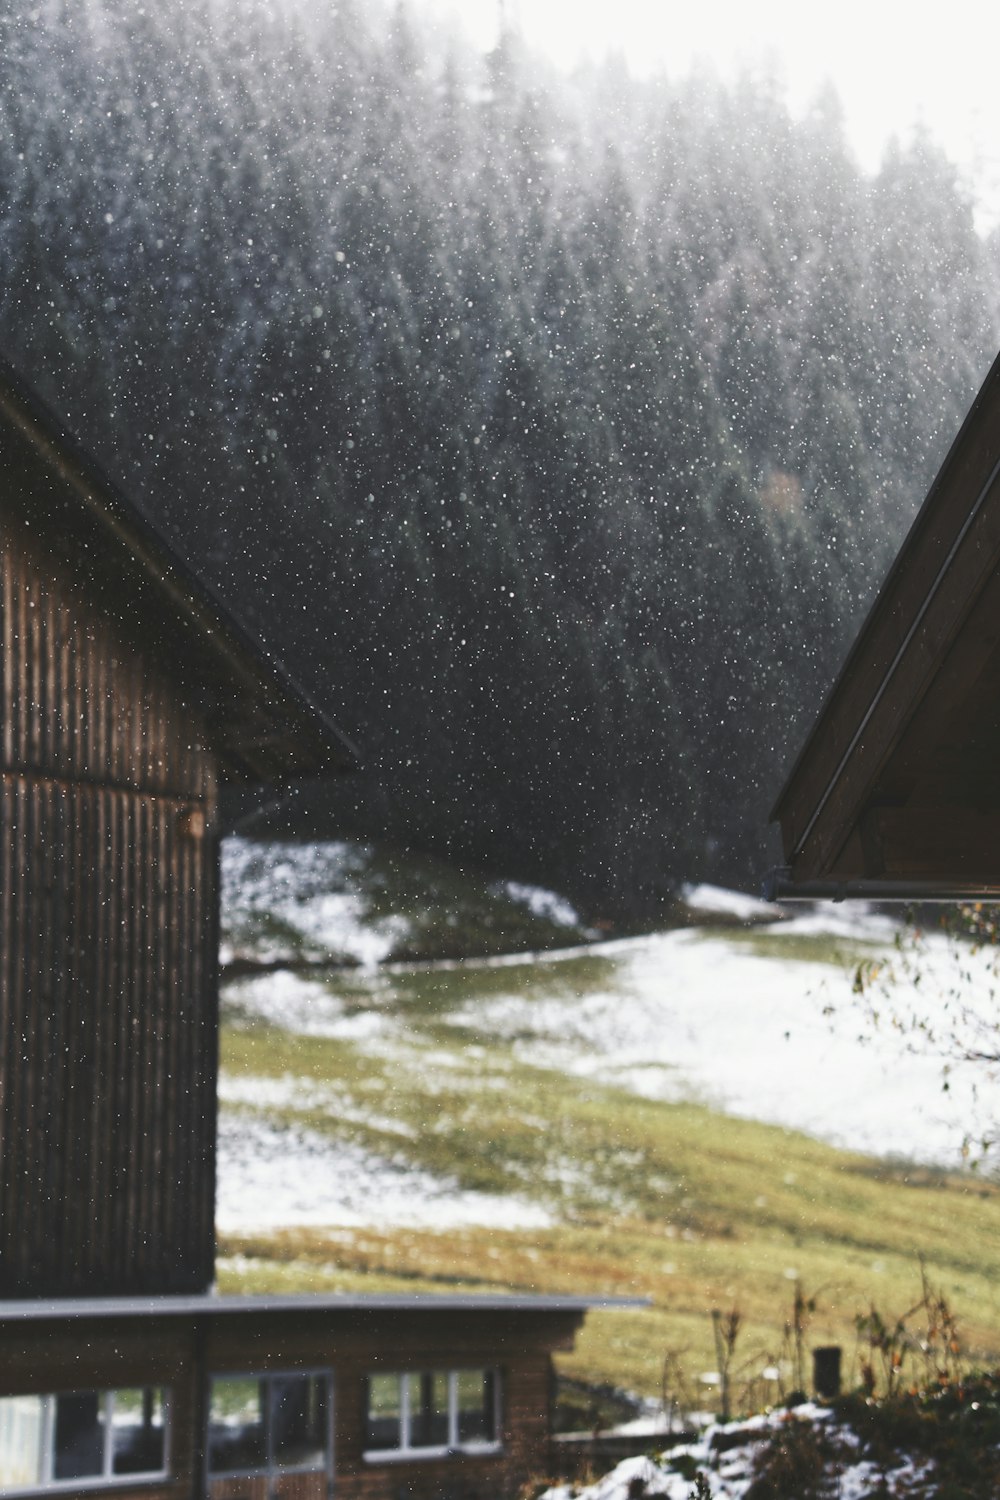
107,1479
269,1469
404,1450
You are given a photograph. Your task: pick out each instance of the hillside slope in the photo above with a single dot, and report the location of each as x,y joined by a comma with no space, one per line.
591,1119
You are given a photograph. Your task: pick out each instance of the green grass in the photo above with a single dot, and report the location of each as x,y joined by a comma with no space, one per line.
672,1202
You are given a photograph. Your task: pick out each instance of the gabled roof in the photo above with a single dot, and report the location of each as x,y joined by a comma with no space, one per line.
263,726
899,780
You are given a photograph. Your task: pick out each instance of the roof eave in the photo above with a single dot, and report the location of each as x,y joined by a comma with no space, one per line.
322,749
967,479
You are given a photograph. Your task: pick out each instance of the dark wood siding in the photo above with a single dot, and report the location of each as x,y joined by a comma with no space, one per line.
54,1354
354,1346
108,894
90,1355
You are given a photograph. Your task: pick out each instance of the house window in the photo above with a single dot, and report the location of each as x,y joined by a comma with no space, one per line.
94,1437
269,1424
425,1412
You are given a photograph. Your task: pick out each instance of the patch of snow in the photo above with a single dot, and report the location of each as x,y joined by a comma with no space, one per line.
302,1095
729,1471
305,1006
336,922
856,921
681,1017
540,902
306,887
678,1016
715,899
272,1178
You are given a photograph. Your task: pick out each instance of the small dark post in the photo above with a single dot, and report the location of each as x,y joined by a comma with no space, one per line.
826,1371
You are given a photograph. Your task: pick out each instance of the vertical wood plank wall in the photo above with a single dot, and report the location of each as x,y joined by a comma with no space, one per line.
108,990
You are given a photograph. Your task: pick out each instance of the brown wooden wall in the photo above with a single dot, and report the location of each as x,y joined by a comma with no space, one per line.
82,1355
182,1353
108,990
355,1345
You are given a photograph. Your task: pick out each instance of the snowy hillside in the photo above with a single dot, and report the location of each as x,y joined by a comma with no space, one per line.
587,1118
349,903
754,1021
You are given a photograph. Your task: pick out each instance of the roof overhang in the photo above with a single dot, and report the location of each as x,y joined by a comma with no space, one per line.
896,793
333,1305
264,728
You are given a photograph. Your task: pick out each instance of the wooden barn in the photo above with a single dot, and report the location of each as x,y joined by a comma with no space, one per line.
895,794
128,695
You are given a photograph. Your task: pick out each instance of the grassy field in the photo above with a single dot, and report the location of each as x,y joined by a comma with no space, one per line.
688,1208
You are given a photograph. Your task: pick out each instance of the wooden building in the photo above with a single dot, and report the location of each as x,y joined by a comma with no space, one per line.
292,1398
127,695
895,794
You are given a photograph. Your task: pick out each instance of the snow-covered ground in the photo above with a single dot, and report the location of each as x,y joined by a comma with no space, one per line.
729,1471
271,1178
750,1022
542,902
783,1040
716,901
308,889
349,902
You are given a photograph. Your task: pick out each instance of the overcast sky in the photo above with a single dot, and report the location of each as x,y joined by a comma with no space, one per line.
891,63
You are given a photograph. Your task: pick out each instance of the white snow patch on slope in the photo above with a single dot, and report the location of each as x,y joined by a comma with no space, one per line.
276,1178
297,1095
683,1017
854,920
729,1472
540,902
304,1006
334,921
303,885
713,899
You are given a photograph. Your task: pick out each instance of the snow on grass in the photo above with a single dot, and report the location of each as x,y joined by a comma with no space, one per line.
334,922
682,1016
759,1022
282,900
289,901
855,921
727,1464
301,1095
273,1177
540,902
713,900
307,1007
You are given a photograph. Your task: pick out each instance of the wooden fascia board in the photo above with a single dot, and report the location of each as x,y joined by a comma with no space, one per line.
911,623
945,844
898,695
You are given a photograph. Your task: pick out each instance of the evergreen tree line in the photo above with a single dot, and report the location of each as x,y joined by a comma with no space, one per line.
555,432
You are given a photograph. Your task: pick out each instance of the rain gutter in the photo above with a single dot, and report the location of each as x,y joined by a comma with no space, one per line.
779,886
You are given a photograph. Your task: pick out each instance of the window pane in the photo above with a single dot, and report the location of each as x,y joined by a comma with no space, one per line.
299,1421
22,1436
138,1432
428,1410
384,1412
236,1441
79,1436
476,1406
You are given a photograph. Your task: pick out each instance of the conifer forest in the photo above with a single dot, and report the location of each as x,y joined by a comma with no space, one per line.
554,431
